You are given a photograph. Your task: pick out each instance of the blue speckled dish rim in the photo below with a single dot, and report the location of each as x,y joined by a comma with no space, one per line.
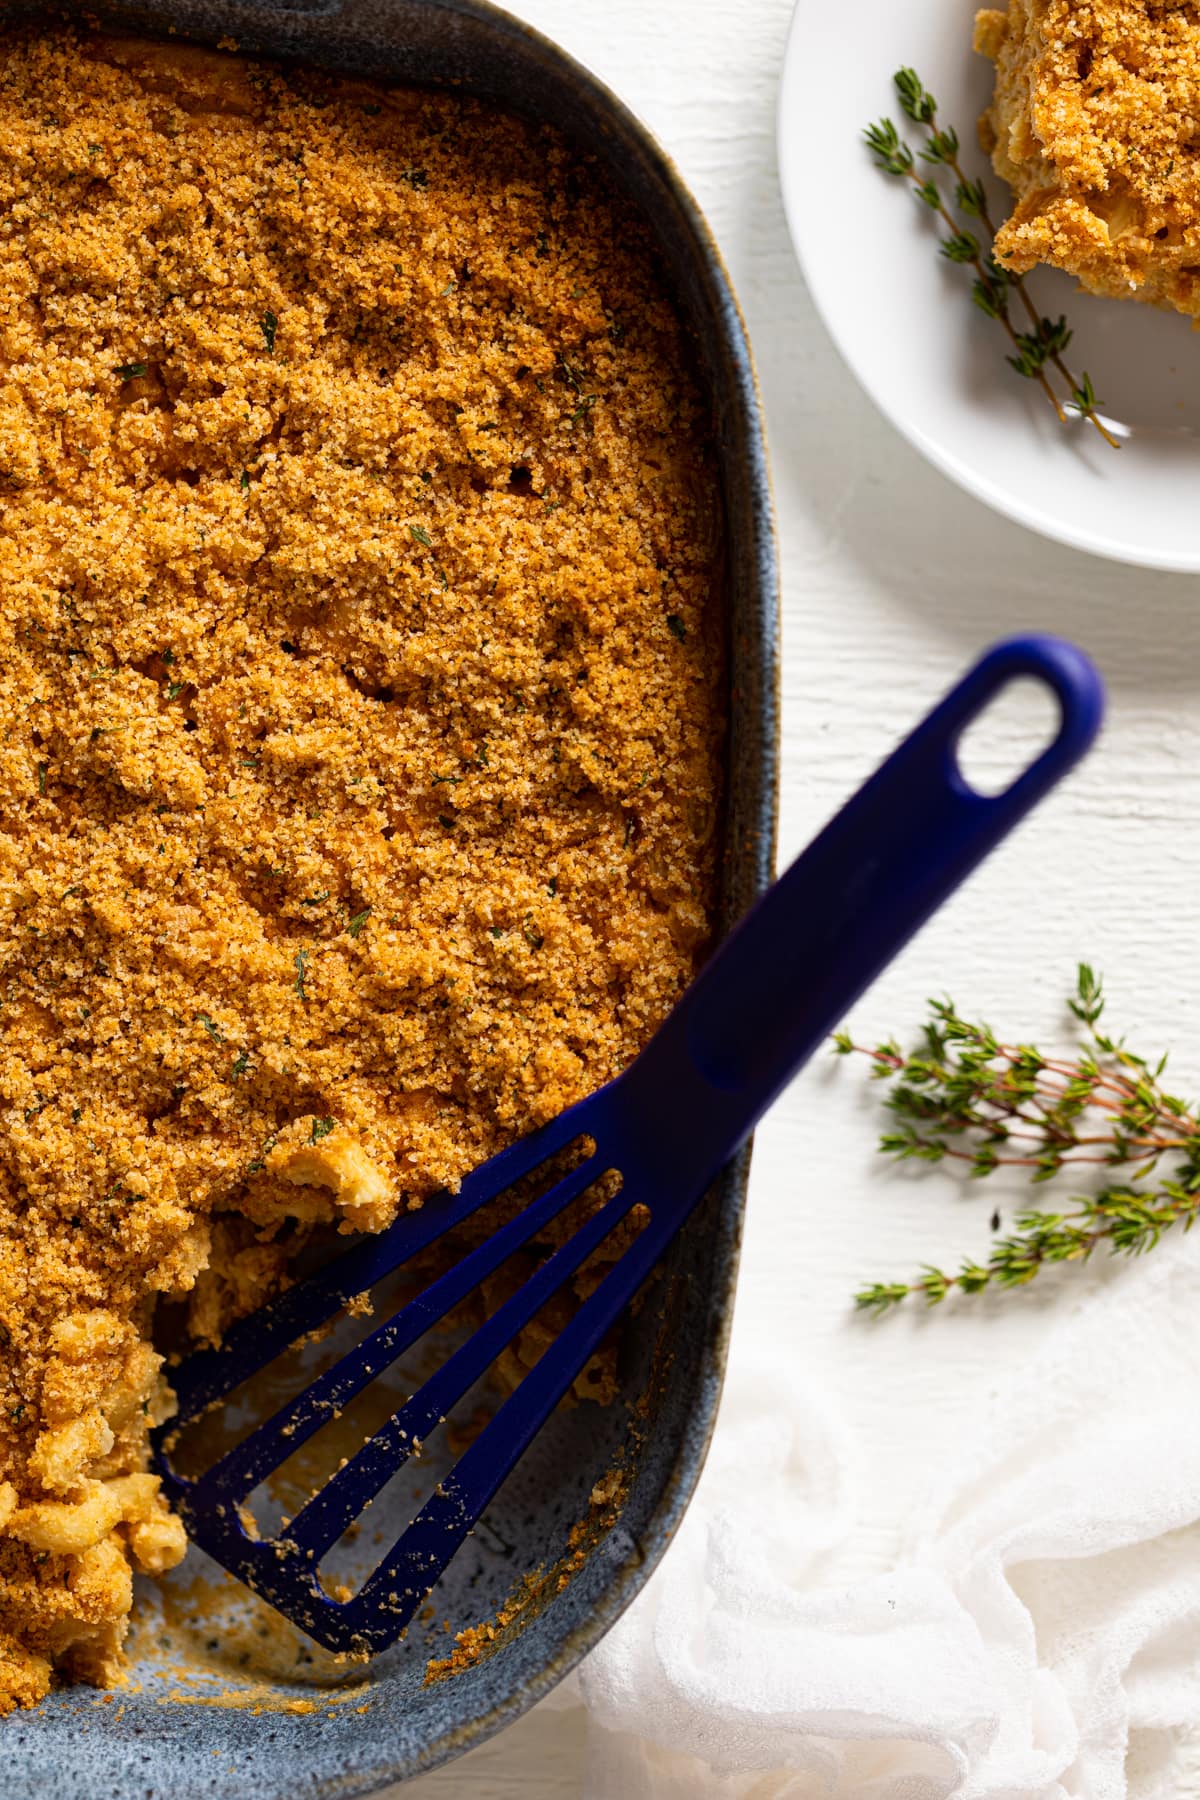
751,765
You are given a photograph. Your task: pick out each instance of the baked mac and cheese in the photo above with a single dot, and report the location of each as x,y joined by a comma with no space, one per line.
360,674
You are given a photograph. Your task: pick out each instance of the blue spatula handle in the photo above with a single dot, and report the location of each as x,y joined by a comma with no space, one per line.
794,966
768,998
763,1004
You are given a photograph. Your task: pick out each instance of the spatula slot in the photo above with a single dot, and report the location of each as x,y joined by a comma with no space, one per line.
344,1494
251,1343
536,1295
349,1429
269,1384
328,1529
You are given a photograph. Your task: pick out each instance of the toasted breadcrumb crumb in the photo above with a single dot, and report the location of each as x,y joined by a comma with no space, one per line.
360,688
1094,126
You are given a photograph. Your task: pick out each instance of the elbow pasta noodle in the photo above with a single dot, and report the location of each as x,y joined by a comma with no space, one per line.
361,685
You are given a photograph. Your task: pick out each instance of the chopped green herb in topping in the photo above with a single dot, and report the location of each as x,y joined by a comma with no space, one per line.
416,178
497,931
552,887
244,482
585,406
676,626
446,820
534,939
321,1128
168,657
241,1063
76,1114
41,775
358,921
270,325
130,371
316,899
301,961
212,1030
259,1163
175,689
422,536
452,779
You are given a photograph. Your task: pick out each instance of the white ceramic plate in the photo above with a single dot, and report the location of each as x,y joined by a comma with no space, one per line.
904,321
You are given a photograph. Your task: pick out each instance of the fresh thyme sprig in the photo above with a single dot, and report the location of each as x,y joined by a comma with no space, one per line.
1047,339
990,291
965,1095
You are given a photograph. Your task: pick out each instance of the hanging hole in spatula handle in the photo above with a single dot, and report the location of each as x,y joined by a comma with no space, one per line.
795,965
1047,662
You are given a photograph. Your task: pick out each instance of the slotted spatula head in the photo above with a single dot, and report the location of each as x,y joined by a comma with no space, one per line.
661,1131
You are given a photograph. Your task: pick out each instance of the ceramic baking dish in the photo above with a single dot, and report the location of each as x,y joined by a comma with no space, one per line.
150,1745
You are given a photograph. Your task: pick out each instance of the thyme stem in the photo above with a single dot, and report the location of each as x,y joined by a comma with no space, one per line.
976,262
1018,282
965,1095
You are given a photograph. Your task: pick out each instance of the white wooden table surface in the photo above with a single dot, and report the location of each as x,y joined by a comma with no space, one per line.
892,581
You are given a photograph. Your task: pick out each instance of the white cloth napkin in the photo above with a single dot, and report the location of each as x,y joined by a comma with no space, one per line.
1039,1639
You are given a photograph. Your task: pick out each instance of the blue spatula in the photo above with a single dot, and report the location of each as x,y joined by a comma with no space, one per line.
764,1002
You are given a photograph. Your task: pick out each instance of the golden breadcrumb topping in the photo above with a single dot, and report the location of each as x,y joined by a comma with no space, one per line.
1094,125
360,678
